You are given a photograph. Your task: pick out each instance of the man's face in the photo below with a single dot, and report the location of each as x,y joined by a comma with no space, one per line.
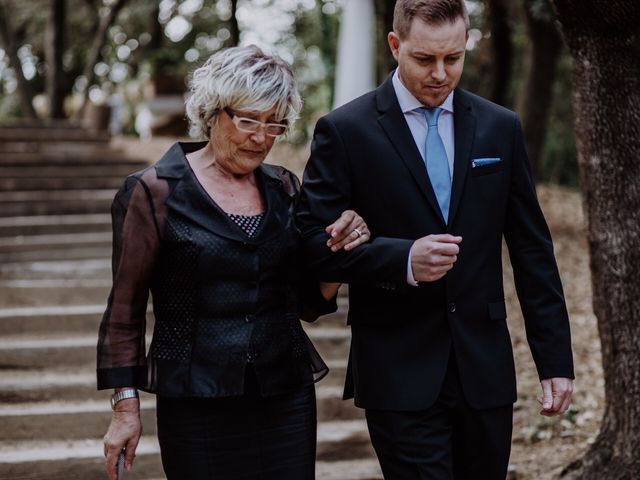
430,59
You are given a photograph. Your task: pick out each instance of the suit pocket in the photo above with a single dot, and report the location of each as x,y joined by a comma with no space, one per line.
497,310
486,169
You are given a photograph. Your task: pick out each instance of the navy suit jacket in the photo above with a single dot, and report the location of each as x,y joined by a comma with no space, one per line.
363,157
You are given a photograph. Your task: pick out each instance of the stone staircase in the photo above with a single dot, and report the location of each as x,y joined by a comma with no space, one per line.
56,186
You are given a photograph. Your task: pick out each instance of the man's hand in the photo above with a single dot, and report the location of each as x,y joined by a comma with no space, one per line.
556,396
433,256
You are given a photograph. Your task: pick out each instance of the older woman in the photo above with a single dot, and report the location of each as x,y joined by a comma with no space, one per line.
209,231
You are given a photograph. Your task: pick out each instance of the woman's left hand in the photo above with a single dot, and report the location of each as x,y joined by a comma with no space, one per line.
347,232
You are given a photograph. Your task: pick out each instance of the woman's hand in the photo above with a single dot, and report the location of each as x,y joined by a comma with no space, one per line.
124,432
347,232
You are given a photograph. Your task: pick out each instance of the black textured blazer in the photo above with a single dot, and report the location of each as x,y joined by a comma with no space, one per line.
221,300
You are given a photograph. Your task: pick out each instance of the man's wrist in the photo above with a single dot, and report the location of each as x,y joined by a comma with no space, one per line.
411,280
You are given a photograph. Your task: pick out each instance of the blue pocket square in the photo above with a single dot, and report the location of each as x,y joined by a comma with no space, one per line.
479,162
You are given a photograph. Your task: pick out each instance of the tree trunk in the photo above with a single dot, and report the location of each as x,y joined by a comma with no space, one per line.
544,47
54,48
328,50
384,24
95,54
234,29
7,37
604,40
501,50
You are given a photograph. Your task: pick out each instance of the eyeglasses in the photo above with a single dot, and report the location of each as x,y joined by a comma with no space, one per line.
252,126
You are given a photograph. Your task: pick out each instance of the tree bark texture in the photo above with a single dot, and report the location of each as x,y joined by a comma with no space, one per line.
384,25
25,92
501,50
543,51
94,55
604,40
234,29
54,48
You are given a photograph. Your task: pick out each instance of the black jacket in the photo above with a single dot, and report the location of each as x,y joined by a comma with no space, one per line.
364,157
221,300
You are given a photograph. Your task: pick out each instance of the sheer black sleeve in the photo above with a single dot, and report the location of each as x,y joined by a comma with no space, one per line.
138,216
312,302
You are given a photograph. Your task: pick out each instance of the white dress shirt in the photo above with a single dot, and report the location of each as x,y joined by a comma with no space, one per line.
418,125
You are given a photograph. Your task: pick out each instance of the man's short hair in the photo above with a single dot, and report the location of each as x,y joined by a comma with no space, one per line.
433,12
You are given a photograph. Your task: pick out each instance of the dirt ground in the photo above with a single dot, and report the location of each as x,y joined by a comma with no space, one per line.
541,446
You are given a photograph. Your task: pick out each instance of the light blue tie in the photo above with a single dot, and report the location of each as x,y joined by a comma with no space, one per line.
437,161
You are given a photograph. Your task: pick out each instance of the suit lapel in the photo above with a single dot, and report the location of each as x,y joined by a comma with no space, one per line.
464,130
395,126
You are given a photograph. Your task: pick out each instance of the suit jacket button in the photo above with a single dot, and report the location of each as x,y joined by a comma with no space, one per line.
452,307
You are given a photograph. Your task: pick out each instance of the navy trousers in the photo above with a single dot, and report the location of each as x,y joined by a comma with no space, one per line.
448,441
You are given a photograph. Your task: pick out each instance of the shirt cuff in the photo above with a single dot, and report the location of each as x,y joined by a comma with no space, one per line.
410,279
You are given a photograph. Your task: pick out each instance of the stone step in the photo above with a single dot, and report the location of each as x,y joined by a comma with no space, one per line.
34,386
82,460
68,350
97,155
50,135
65,317
54,224
90,268
65,171
55,202
39,123
78,195
60,182
21,293
60,241
100,250
86,416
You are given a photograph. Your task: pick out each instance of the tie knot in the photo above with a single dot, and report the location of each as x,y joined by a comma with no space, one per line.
432,115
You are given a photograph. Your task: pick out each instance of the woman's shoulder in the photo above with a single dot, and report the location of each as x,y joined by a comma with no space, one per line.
146,184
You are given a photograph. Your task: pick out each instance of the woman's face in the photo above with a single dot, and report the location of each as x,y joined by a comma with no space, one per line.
239,152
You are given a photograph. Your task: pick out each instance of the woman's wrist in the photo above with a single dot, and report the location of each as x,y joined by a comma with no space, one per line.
128,405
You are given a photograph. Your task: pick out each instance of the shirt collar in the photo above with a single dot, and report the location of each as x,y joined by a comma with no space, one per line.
409,103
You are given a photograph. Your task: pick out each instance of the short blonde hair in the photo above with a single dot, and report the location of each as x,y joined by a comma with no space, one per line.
432,12
241,78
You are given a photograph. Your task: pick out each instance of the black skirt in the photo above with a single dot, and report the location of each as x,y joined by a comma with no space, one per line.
249,437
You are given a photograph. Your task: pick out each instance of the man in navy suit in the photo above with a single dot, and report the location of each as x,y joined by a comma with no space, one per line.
441,177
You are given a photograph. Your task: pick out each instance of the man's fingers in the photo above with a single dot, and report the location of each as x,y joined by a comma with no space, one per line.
556,396
547,395
445,238
566,403
443,260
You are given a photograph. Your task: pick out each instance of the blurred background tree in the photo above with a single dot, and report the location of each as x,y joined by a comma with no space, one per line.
56,55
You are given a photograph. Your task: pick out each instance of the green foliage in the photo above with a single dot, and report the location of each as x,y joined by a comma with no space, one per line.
315,32
559,162
139,46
